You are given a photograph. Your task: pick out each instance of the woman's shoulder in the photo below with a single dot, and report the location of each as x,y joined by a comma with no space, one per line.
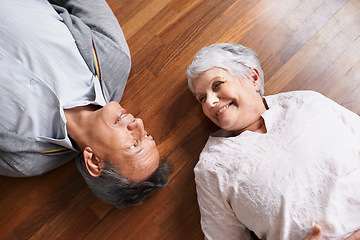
291,95
296,99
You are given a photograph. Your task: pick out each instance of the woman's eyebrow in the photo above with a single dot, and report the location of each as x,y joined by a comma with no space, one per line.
216,78
198,94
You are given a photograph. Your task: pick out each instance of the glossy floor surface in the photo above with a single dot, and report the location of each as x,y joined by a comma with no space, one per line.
302,44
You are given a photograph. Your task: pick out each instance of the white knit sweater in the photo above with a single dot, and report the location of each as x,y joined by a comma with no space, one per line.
304,170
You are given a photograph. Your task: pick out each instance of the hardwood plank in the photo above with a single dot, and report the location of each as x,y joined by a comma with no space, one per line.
302,13
302,44
126,10
41,198
247,20
342,90
150,30
352,101
142,16
144,57
48,210
65,222
310,27
309,76
289,69
269,20
81,225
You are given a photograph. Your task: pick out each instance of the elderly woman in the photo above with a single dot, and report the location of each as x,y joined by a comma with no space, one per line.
281,163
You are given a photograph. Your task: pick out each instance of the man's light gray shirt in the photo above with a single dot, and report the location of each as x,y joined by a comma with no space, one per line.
94,31
39,60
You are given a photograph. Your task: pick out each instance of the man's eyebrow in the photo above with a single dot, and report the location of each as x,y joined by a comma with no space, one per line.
142,148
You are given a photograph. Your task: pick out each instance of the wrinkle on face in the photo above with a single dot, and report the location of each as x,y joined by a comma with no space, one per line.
238,100
124,142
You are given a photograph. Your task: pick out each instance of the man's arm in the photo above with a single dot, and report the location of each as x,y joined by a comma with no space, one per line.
97,16
23,157
100,41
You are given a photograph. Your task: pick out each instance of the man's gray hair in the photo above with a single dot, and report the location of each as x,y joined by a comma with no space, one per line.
113,188
234,58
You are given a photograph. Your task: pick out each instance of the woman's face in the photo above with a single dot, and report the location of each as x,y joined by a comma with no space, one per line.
231,103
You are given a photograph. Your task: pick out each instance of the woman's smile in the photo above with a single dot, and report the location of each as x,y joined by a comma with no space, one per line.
222,110
232,103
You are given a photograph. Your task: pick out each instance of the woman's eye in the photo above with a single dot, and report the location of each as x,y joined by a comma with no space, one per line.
217,85
201,99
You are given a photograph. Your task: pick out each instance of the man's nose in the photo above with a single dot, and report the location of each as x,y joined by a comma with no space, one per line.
137,128
212,100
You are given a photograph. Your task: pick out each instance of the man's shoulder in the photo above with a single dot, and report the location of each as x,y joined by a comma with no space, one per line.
22,156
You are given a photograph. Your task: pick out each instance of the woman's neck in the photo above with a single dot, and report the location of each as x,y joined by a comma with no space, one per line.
258,127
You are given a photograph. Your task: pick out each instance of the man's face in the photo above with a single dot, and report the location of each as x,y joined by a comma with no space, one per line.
121,139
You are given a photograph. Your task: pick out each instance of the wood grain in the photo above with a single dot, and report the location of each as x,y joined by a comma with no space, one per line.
302,44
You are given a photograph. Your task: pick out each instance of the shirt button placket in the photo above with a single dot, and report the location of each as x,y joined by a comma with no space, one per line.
32,82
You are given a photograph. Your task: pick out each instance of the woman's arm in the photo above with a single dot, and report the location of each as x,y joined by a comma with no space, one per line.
218,221
316,233
354,236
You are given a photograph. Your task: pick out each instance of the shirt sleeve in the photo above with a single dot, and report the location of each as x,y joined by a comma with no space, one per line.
350,119
218,220
97,16
97,33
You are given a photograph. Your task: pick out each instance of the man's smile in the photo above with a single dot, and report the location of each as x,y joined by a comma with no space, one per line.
121,115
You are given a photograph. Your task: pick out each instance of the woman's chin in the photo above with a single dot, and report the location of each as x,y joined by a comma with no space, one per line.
227,127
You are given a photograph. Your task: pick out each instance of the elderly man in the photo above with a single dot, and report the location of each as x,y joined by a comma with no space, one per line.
63,71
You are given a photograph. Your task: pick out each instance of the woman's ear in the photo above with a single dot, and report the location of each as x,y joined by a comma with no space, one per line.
256,78
92,162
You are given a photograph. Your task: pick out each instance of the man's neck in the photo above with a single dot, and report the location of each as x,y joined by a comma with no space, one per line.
77,124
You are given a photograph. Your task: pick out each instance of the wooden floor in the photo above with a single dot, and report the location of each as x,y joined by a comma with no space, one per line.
302,44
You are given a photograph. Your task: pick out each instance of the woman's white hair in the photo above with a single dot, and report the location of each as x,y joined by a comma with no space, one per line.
232,57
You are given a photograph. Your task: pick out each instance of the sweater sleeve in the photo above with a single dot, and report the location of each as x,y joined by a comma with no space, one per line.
218,220
348,118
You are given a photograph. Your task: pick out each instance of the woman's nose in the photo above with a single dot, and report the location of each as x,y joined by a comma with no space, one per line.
212,100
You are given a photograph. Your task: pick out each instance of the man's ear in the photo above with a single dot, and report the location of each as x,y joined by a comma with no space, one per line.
92,162
256,78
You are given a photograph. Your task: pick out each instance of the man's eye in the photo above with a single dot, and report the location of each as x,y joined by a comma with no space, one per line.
148,135
134,145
